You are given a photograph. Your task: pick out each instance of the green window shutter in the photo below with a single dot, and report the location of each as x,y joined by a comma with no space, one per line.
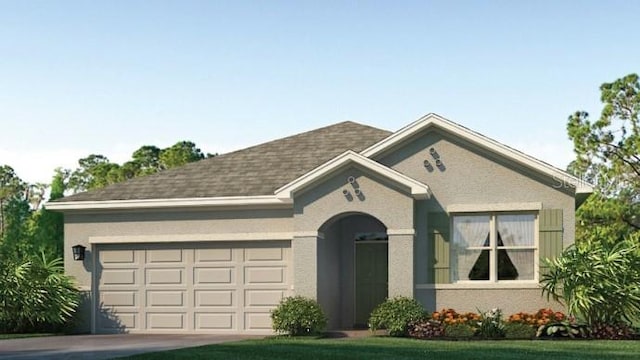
439,235
550,226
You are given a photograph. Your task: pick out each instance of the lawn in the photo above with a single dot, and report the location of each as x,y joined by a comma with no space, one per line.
395,348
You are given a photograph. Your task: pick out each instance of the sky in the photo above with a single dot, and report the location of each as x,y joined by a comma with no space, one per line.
107,77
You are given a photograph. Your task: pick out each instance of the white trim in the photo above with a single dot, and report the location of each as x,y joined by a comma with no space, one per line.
436,120
418,190
257,236
392,232
525,206
484,285
166,203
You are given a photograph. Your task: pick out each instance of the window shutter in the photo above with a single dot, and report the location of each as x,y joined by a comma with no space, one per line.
438,230
550,227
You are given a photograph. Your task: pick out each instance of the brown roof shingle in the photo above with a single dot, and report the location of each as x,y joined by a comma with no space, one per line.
257,170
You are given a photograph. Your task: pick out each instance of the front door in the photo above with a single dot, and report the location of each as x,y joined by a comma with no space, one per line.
371,278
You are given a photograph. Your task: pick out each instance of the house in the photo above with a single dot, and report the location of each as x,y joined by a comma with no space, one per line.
347,214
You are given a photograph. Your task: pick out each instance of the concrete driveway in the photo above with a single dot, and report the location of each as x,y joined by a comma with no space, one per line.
103,346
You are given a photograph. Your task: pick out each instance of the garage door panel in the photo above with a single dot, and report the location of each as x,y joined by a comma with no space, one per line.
117,256
164,276
263,297
222,275
265,275
118,277
214,298
215,287
257,321
117,321
165,321
264,254
118,298
213,255
164,256
215,321
165,298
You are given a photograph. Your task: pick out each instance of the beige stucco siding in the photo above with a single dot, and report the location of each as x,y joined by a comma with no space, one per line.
510,301
80,228
380,199
469,175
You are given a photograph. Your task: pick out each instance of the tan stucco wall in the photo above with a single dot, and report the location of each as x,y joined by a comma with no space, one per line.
80,227
393,207
472,176
510,301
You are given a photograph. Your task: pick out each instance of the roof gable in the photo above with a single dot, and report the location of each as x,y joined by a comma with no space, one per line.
417,189
434,120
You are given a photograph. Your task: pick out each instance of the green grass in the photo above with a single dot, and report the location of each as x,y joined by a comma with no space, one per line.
395,348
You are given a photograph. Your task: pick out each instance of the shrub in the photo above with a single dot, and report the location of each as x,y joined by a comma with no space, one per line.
516,330
395,314
425,329
563,329
298,316
459,331
35,294
612,332
598,280
490,325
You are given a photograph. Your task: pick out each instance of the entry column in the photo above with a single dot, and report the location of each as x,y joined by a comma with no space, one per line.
305,264
401,262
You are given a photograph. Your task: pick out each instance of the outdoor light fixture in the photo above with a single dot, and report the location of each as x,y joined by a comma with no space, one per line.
78,252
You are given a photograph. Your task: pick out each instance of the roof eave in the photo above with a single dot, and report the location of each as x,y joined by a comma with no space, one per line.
417,189
266,200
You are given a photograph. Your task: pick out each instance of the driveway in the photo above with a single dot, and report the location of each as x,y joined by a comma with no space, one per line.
103,346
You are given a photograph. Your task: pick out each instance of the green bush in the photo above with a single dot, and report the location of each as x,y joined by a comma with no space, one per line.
490,325
395,314
297,316
514,330
563,329
598,280
35,294
459,331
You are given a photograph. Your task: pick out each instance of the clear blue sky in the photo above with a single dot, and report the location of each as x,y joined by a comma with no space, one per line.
82,77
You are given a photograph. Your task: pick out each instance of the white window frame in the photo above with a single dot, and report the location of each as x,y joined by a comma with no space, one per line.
493,248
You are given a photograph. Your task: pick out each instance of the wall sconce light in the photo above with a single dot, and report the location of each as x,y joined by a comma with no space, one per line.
78,252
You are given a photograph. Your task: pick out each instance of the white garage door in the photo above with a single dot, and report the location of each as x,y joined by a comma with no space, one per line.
226,287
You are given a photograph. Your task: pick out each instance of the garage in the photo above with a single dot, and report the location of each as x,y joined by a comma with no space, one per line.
226,287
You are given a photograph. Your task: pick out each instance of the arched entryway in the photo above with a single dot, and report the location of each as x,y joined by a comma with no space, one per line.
352,268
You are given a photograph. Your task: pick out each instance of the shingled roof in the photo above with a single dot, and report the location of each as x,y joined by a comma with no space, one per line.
257,170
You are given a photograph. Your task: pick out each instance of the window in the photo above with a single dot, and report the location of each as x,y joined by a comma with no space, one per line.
493,247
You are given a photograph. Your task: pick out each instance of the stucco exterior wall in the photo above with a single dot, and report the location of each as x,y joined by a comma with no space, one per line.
510,301
469,175
79,228
392,206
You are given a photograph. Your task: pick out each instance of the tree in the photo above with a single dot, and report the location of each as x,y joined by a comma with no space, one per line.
147,160
181,153
608,155
12,191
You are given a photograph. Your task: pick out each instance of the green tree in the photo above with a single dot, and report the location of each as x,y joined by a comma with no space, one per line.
12,193
47,227
608,155
183,152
